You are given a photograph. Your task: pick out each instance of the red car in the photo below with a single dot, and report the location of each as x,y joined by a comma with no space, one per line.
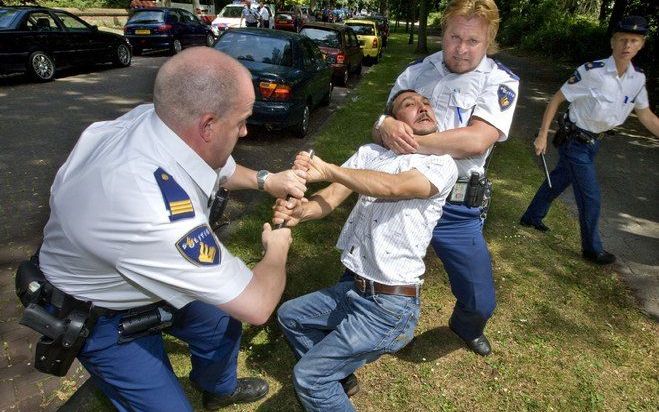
340,46
290,20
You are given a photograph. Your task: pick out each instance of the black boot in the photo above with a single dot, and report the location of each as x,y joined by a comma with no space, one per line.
248,390
480,345
350,385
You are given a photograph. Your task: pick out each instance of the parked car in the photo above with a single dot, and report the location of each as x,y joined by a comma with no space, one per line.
383,27
166,28
39,41
289,74
290,20
369,37
340,46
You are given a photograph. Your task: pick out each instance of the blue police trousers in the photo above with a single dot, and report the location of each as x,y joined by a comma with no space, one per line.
336,330
137,375
576,167
459,243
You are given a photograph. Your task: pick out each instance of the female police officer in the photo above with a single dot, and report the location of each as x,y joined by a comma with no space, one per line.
601,94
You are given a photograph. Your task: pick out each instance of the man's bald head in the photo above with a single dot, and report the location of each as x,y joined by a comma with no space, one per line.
196,81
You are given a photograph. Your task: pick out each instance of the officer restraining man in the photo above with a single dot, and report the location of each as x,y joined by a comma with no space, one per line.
474,98
129,233
601,94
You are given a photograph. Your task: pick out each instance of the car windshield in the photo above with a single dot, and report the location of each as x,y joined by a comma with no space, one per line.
6,17
323,37
363,29
242,46
147,16
231,12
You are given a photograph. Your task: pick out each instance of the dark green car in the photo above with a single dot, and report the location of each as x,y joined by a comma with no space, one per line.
289,73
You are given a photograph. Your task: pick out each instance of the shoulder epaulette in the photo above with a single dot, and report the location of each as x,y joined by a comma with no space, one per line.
594,65
417,61
506,69
177,202
638,68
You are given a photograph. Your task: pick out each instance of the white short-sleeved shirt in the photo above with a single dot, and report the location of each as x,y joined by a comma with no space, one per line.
386,240
488,92
601,100
129,220
249,15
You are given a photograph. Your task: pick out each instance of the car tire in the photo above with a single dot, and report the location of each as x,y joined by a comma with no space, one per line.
327,99
300,130
176,47
122,56
210,40
41,67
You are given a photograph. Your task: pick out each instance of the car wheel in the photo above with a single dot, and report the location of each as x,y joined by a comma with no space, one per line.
122,56
41,67
327,99
210,40
301,129
176,46
345,77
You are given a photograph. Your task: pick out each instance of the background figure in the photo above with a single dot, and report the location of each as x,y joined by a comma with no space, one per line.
264,16
129,230
474,98
374,308
249,16
602,94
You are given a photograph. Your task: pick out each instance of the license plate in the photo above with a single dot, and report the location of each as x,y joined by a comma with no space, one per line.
142,31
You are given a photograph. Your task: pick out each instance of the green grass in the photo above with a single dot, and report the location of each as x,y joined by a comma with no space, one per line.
566,334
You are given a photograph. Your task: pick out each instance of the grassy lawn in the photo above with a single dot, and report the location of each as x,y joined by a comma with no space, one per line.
566,334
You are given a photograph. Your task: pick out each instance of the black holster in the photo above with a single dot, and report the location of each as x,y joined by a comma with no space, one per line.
472,192
563,131
63,321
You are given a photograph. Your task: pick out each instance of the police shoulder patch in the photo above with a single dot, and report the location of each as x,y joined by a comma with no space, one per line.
594,65
575,78
506,97
417,61
200,247
505,68
177,202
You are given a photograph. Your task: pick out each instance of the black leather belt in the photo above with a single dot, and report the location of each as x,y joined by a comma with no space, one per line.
370,286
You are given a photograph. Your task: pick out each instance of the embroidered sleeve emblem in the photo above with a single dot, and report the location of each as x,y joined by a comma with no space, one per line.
200,247
575,78
506,97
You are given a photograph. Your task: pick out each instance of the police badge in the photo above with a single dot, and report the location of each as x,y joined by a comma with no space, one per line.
506,97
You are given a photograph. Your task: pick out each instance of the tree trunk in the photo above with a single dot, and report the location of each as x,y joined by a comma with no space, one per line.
604,10
617,13
413,19
422,41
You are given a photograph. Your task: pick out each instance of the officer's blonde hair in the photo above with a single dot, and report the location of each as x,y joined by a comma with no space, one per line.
486,9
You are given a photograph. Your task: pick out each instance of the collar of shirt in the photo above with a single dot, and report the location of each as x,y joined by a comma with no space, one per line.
610,67
188,159
437,60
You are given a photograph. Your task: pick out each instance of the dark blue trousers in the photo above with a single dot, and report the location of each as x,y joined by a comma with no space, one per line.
137,375
576,167
459,243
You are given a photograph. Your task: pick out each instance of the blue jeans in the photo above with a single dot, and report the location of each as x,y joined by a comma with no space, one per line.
459,243
336,330
576,167
137,375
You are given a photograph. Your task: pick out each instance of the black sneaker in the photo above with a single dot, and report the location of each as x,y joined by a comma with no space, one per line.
248,390
601,258
350,385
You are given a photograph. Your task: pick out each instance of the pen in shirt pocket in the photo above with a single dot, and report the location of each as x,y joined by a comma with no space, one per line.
457,109
626,98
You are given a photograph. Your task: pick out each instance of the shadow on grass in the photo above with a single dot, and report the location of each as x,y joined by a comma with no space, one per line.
430,345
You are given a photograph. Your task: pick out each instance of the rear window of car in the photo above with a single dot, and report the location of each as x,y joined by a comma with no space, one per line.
284,16
363,29
329,38
255,48
148,16
231,11
7,17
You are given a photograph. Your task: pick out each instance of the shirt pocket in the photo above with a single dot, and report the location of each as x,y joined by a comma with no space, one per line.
461,105
601,106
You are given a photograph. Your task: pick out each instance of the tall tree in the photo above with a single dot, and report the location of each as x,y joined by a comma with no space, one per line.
604,11
412,21
617,13
422,40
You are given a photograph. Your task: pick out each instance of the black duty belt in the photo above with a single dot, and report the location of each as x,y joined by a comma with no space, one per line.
371,286
471,191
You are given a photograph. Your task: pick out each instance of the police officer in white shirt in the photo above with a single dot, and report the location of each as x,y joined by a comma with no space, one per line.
601,94
250,16
474,98
129,227
374,308
264,16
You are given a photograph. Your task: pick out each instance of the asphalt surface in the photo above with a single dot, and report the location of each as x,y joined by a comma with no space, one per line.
41,123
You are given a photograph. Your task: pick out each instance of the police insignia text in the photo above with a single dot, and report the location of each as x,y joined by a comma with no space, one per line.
199,246
506,97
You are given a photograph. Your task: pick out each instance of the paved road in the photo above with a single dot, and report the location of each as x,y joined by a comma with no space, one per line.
39,126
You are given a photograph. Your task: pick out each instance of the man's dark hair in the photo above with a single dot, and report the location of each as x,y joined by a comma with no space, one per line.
389,109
